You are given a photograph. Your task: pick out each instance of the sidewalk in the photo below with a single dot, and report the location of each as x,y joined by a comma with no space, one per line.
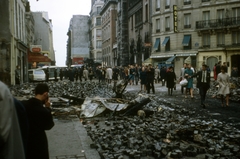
68,139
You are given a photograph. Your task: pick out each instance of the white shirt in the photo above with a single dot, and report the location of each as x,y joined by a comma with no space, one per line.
204,75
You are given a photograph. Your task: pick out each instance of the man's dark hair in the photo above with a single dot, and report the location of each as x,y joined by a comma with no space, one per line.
41,88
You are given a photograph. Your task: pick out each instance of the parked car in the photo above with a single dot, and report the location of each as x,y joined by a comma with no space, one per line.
36,75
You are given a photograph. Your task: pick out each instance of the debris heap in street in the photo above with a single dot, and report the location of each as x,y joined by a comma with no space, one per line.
171,131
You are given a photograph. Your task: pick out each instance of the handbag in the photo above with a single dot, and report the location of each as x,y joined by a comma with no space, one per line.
184,82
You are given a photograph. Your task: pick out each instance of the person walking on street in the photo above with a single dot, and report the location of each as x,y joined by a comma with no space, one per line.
85,74
90,74
163,73
215,72
109,75
80,73
143,78
150,79
224,89
188,73
156,74
136,77
17,75
76,73
203,83
40,119
171,80
131,74
182,76
71,75
55,75
61,74
218,67
47,74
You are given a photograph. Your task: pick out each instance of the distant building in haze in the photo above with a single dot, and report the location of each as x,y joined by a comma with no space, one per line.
78,39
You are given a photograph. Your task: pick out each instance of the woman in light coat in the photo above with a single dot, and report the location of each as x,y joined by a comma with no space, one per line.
224,89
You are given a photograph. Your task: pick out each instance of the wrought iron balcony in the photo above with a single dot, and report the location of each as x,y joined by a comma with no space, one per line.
218,23
167,7
205,0
157,30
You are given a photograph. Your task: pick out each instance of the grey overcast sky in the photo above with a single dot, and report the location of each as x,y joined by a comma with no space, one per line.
61,11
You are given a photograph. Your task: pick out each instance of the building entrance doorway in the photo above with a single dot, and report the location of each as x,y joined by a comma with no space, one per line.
235,63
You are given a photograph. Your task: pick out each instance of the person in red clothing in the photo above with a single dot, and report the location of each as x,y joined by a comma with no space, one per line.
215,72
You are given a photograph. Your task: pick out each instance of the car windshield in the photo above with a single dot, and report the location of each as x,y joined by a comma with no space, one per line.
39,72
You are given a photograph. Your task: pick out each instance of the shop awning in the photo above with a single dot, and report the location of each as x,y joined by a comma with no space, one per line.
170,60
157,42
165,41
186,40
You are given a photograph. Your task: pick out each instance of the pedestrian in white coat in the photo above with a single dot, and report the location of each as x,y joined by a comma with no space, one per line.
109,74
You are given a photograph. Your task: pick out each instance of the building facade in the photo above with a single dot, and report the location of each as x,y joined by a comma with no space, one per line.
121,53
43,37
139,29
13,50
95,31
196,31
78,39
109,20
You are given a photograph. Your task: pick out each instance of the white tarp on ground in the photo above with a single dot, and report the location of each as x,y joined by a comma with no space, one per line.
95,106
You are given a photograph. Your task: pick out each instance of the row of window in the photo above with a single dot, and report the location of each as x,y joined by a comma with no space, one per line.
205,17
167,3
187,41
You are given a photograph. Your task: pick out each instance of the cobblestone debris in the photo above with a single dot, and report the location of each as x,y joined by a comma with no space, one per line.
172,132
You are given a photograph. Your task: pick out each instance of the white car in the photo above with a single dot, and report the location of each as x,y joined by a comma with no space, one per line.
36,75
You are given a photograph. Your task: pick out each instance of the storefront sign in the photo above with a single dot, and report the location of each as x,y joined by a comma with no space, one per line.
36,48
147,44
36,57
175,18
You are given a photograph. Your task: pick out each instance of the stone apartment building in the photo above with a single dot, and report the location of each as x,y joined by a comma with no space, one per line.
95,31
139,29
13,44
109,17
43,37
78,39
196,31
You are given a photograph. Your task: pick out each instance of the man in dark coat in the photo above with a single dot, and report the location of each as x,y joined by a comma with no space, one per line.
40,119
218,67
203,83
150,79
170,78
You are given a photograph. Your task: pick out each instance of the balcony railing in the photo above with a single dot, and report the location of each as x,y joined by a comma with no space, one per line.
218,23
157,30
187,3
187,26
167,29
205,0
157,9
167,7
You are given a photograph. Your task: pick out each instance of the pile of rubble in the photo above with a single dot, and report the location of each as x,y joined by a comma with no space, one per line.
235,89
171,131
